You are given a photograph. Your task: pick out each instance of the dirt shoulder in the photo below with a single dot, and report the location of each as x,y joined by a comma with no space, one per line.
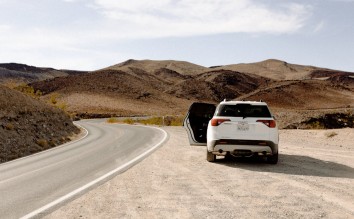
313,179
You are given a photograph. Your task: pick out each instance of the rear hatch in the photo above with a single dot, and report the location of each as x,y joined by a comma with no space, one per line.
243,121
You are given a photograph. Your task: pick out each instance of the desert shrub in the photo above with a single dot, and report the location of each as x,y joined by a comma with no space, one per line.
53,98
112,120
28,90
158,120
154,121
331,121
9,126
151,121
173,120
62,106
52,142
331,134
42,143
129,121
316,125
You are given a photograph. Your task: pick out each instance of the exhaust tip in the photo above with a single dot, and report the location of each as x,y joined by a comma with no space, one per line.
220,151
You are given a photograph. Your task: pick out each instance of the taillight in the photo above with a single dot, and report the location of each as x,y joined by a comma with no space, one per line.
216,122
269,123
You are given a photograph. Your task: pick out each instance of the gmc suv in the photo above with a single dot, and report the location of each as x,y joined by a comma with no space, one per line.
237,128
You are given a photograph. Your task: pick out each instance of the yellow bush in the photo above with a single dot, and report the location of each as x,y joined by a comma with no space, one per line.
112,120
43,143
53,98
162,120
129,121
9,126
28,90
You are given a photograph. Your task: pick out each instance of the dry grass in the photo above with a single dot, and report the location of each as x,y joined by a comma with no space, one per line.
157,120
129,121
28,90
331,134
112,120
42,143
9,126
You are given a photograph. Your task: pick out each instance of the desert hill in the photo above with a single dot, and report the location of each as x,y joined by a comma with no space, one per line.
336,92
154,90
168,87
20,73
280,70
28,125
112,92
151,66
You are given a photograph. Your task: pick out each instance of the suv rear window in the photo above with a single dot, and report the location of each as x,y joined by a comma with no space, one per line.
243,110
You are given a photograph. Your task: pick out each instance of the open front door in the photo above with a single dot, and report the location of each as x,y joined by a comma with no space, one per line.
196,122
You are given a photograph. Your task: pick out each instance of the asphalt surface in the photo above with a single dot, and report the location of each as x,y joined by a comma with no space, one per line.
36,185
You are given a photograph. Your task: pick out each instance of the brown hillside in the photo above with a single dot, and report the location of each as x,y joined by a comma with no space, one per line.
168,87
160,91
218,85
306,94
27,125
114,92
151,66
20,73
280,70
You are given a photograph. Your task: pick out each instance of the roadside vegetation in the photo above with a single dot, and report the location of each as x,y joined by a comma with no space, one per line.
331,134
54,99
156,120
28,90
330,121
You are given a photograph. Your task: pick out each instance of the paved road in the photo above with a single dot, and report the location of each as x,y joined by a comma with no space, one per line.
37,184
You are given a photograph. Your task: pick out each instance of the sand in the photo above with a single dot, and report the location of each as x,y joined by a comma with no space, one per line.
313,179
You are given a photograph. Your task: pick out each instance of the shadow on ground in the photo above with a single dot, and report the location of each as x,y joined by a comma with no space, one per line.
293,165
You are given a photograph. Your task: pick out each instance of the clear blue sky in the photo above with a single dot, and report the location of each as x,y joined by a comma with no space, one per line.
92,34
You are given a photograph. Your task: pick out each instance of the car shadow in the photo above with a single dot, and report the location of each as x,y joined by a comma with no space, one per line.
291,164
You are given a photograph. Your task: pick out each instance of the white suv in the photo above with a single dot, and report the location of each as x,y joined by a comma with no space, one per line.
237,128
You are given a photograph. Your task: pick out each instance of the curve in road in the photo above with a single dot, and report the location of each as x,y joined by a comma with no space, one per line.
32,186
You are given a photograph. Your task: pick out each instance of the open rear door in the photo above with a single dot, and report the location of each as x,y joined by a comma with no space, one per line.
196,122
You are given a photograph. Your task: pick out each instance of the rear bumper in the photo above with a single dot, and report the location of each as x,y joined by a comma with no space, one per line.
224,146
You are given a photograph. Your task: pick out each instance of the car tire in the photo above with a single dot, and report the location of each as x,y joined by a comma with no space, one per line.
210,156
273,159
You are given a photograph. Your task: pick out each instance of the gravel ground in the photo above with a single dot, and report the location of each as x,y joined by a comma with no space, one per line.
313,179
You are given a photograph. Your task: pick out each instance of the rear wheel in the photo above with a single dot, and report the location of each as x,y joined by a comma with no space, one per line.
210,156
273,159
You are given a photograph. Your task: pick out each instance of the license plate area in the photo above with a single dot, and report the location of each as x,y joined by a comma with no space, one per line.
243,126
